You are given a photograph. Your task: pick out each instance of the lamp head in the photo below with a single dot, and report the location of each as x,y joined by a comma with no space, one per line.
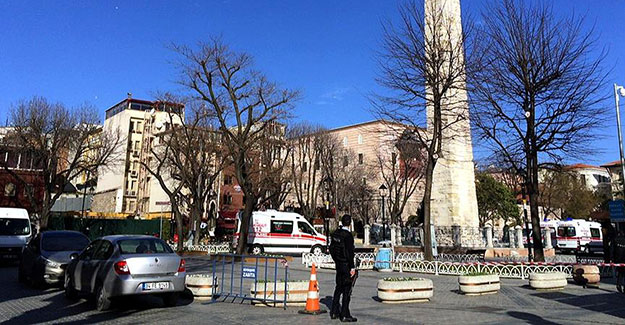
621,91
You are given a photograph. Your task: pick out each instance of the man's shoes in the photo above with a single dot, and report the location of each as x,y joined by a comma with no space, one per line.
334,316
348,319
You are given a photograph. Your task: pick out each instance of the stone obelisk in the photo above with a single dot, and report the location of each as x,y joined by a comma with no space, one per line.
454,201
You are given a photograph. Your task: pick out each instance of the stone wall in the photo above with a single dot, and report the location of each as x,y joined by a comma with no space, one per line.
104,202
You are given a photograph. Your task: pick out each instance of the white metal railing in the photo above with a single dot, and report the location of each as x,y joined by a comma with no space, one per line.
325,260
457,264
208,248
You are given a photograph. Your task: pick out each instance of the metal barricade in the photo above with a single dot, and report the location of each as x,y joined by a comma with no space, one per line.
235,274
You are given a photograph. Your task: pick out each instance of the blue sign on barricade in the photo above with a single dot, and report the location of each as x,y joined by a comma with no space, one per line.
260,279
617,210
249,272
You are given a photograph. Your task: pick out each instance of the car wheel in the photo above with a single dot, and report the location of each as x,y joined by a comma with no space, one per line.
317,250
102,301
171,299
70,291
257,250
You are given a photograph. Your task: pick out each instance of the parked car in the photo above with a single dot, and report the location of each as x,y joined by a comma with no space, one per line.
126,265
15,231
47,254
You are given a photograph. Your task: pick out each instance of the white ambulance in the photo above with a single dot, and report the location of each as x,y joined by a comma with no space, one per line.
578,235
274,231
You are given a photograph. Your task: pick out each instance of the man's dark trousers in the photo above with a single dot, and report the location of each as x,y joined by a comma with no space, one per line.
343,287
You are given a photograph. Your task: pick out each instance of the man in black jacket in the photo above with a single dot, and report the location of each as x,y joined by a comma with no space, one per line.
342,251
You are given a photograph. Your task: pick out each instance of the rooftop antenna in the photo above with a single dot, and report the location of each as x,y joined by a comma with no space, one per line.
129,95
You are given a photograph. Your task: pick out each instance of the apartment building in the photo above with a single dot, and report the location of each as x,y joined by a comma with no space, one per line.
15,162
616,176
373,147
126,186
594,177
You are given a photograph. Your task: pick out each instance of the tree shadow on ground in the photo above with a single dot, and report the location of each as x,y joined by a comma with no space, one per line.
59,307
530,318
12,289
609,303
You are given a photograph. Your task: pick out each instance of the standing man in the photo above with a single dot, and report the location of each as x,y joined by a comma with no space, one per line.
342,251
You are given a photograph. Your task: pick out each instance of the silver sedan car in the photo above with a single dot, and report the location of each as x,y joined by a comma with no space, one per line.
124,265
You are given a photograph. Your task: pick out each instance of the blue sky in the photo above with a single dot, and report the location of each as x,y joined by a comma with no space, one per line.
97,51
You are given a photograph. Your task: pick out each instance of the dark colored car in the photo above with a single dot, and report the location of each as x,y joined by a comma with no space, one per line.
47,254
126,265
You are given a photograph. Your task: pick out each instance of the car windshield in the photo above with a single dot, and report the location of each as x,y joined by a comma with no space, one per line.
14,227
143,246
63,242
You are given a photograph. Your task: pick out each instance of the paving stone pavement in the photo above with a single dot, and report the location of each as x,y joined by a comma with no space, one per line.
516,303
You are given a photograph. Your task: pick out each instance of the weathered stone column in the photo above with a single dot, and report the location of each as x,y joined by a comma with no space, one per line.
547,237
489,236
398,236
367,235
456,235
519,236
511,238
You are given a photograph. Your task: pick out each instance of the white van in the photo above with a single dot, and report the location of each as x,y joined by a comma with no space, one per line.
14,232
579,235
274,231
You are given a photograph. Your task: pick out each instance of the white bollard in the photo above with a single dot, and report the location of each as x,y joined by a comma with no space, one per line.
548,238
367,235
393,234
489,236
511,237
519,237
398,236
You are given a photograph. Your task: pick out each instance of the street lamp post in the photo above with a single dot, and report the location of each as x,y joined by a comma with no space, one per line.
618,92
326,222
383,192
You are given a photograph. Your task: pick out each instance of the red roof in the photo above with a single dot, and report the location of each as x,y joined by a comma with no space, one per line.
612,164
579,166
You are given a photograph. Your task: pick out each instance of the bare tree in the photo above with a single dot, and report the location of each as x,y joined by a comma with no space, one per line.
63,143
272,169
349,184
244,103
424,68
305,162
537,92
402,173
187,161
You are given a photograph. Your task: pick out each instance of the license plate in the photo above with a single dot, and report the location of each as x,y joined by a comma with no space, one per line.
155,285
9,256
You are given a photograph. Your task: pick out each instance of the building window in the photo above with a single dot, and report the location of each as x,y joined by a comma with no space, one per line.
393,158
227,199
361,159
9,189
305,166
345,161
360,139
345,141
317,163
227,179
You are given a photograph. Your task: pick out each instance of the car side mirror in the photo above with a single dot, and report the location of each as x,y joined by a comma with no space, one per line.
73,256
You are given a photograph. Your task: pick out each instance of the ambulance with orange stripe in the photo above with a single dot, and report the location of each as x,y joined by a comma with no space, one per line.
274,231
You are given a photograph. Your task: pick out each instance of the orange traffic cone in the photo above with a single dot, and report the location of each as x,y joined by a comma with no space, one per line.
312,300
